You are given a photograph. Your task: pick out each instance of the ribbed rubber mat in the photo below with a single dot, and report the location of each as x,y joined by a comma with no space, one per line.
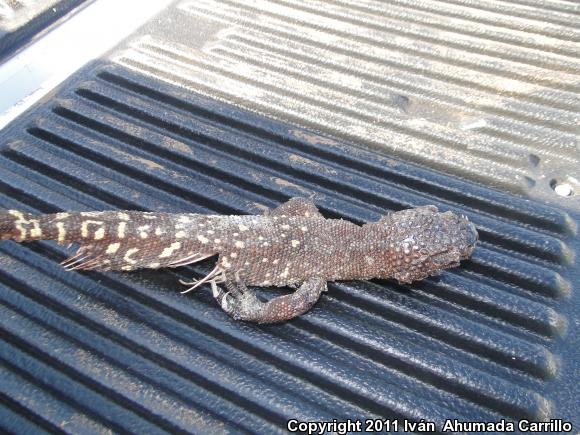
495,338
484,90
22,20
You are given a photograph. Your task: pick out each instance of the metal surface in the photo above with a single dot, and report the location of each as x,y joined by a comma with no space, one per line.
22,20
39,67
487,91
496,338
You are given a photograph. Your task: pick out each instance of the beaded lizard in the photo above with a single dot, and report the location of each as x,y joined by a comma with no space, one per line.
291,245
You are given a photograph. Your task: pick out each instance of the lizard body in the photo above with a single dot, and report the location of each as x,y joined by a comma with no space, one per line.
292,245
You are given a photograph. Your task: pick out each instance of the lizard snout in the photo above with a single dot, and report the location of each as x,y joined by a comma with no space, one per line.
470,235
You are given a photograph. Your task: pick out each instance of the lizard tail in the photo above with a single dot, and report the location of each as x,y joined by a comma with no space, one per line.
116,240
23,227
7,225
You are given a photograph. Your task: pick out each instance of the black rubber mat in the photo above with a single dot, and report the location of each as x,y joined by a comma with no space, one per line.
22,20
493,339
233,109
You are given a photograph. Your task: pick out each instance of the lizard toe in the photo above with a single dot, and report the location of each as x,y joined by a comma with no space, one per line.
244,306
232,302
239,306
221,297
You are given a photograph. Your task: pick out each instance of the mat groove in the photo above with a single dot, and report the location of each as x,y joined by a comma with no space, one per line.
128,352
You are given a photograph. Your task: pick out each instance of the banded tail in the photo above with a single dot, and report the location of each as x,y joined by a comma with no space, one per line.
113,240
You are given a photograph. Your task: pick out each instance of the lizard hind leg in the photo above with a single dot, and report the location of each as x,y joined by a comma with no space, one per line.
242,304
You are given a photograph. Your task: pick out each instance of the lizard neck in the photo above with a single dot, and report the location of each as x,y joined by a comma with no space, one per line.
360,253
371,256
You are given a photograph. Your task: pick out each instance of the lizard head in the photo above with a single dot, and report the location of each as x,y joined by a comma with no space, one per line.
426,242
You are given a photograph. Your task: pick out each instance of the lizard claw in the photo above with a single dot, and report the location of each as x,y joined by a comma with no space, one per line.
224,299
237,302
240,307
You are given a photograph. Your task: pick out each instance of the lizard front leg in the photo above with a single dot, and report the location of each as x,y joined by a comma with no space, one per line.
242,304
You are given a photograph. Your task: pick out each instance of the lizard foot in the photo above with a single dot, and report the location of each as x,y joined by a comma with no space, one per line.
239,302
242,304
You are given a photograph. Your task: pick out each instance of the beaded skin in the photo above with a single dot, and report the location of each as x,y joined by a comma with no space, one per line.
291,245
